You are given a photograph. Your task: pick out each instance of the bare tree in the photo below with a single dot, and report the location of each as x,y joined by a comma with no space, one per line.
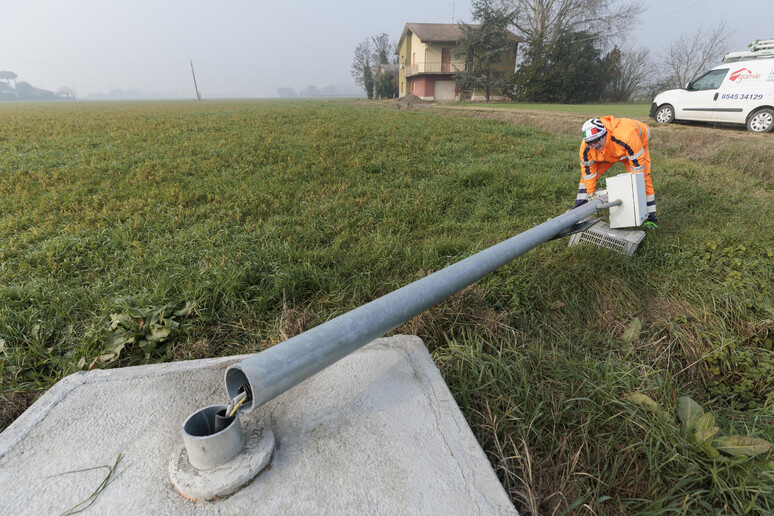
687,57
632,69
383,49
541,22
363,67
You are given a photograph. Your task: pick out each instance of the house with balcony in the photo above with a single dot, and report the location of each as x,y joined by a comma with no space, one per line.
426,66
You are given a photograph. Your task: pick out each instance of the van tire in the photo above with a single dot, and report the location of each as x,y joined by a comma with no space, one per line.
761,121
665,114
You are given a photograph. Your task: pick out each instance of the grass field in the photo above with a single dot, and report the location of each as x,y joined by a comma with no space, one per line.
248,222
627,110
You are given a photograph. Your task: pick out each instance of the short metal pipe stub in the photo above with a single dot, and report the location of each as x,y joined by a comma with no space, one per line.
207,445
215,483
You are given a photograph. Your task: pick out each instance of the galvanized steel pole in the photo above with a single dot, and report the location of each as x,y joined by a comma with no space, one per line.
279,368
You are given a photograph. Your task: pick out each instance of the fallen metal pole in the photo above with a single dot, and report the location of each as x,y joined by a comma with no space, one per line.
277,369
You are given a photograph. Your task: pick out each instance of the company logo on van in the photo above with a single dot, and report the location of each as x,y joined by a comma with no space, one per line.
743,74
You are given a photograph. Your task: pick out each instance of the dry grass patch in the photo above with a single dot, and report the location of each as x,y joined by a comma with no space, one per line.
728,146
461,314
13,404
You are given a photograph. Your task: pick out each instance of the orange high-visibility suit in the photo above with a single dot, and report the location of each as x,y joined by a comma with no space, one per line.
627,141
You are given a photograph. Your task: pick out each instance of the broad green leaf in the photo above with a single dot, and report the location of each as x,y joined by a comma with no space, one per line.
186,310
741,445
136,313
642,400
122,320
706,434
158,333
167,310
632,333
109,357
155,317
648,404
689,412
705,427
736,459
708,450
115,342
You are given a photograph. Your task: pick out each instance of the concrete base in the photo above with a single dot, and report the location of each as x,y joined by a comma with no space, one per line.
378,432
224,480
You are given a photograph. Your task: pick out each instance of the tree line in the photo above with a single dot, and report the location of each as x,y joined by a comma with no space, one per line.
11,89
574,51
368,67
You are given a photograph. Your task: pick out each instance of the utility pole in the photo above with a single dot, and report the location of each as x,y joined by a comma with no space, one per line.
198,96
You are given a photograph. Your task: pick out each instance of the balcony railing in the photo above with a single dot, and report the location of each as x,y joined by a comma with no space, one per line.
432,67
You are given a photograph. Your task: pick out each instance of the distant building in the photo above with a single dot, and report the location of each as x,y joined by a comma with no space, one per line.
388,68
426,64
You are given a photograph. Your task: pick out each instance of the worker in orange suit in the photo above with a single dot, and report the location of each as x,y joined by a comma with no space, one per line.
608,140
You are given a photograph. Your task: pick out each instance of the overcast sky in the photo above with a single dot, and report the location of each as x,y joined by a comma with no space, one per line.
243,48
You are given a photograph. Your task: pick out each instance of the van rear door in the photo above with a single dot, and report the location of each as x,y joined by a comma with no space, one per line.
699,101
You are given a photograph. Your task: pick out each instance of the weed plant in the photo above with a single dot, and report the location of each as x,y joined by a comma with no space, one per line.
269,218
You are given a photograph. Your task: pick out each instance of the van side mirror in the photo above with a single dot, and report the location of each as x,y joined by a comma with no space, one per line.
688,85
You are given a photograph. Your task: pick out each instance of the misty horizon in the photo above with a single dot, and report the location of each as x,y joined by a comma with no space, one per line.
243,49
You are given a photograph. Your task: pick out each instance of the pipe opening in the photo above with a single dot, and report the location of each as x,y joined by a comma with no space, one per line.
237,383
222,421
204,423
210,438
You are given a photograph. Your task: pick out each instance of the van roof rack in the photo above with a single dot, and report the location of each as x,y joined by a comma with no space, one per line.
760,44
759,49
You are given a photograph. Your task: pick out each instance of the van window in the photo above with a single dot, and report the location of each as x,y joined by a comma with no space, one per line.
709,81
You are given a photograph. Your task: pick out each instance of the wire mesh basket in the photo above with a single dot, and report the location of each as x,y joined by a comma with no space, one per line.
624,241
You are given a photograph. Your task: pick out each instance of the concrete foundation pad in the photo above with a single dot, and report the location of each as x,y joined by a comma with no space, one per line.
378,432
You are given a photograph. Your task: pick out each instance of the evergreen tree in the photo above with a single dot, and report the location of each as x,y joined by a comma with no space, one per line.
570,72
368,81
386,86
483,46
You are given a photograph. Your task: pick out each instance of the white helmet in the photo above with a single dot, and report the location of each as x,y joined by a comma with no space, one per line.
593,130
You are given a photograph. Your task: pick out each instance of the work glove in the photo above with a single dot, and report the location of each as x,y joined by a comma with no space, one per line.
580,202
650,222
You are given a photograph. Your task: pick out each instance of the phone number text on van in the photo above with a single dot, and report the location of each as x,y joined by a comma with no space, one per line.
742,96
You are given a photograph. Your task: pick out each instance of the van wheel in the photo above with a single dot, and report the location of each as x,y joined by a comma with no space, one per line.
665,114
762,121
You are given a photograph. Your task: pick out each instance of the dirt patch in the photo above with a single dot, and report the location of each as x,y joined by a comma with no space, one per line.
411,101
12,404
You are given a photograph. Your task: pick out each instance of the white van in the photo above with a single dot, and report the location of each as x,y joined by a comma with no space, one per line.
740,91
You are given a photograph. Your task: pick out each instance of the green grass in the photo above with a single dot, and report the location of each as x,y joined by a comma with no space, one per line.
619,110
274,217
